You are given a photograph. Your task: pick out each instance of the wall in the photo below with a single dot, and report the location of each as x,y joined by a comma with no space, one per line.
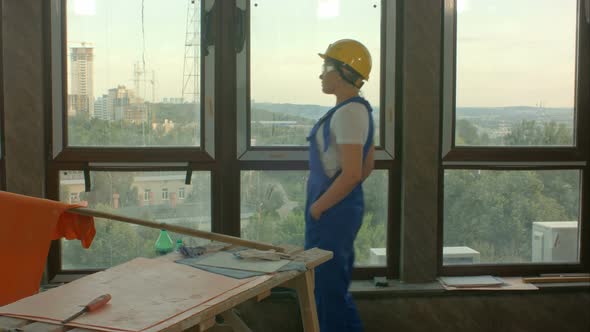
538,311
24,96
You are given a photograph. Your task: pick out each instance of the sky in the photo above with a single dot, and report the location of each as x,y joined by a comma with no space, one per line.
509,52
513,53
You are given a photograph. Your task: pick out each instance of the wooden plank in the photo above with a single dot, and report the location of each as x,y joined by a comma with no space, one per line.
304,284
225,302
201,316
555,279
146,292
290,249
262,296
177,229
207,324
312,257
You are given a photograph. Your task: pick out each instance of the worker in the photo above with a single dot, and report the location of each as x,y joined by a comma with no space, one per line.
341,153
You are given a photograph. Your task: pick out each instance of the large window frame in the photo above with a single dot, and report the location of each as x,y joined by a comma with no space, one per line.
225,110
576,157
62,152
387,152
62,157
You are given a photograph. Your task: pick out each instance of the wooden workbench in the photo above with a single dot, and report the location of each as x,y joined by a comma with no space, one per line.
201,319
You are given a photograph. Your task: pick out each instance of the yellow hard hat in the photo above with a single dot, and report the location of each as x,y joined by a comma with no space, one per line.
351,53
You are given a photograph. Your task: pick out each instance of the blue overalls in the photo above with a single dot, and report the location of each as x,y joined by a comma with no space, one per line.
335,231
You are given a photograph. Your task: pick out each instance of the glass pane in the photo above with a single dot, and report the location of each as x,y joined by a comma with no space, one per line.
286,36
516,64
499,217
273,207
137,195
133,73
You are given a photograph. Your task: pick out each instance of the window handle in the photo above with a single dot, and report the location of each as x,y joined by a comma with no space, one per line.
240,29
208,35
87,180
189,173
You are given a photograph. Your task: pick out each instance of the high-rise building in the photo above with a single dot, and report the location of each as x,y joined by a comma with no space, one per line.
101,110
118,102
82,77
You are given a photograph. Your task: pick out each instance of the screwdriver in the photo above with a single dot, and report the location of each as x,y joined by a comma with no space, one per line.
93,305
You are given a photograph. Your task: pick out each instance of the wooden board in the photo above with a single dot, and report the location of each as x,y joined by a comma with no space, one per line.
145,293
200,317
540,280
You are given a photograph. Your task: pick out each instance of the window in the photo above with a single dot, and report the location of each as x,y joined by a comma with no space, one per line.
132,82
126,84
273,205
280,114
515,153
284,45
140,104
515,89
124,193
279,99
129,121
504,217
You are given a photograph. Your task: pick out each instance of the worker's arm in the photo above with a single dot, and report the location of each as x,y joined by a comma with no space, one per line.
351,161
369,164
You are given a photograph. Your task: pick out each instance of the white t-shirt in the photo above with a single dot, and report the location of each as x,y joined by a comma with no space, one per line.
349,125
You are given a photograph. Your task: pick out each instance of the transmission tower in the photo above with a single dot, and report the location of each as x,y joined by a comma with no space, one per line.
190,81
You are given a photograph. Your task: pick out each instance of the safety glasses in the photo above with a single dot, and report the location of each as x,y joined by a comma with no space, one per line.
326,68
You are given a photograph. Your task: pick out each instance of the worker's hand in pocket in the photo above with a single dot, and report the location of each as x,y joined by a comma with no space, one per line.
315,212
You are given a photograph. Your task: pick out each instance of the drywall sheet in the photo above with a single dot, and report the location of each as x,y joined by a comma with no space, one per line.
230,261
145,293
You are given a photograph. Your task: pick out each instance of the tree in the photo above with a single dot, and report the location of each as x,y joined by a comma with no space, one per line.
115,243
529,133
494,210
371,235
466,133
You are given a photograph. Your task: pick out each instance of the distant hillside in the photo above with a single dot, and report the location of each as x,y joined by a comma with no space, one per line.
183,113
312,112
266,114
516,113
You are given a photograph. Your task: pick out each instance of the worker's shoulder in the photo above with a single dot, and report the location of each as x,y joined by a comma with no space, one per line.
353,106
353,111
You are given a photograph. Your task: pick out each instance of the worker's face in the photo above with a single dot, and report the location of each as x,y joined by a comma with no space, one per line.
330,77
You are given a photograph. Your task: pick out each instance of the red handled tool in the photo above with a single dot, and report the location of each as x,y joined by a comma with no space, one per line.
93,305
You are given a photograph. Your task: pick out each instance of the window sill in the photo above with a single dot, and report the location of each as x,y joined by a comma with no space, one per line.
366,288
396,288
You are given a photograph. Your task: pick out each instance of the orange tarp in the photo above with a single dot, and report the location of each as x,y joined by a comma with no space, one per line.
27,226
